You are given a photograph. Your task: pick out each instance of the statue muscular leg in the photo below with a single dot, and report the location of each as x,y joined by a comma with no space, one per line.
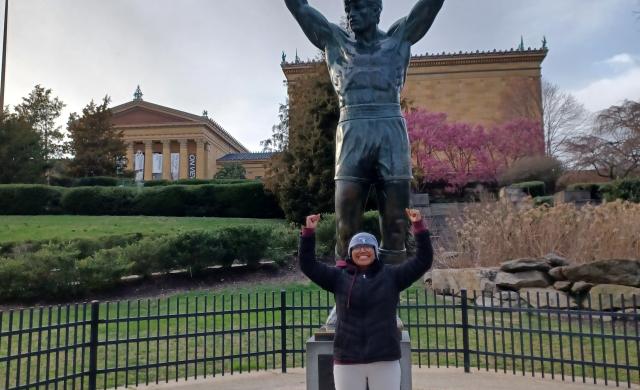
393,199
350,201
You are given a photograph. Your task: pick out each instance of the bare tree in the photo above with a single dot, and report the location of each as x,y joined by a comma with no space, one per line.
562,115
612,148
621,121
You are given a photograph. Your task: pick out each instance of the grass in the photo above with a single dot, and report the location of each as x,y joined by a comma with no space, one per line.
166,347
64,227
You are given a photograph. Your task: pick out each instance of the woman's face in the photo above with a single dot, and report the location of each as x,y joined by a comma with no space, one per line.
363,255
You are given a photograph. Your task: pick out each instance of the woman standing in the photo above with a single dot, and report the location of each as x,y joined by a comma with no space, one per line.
366,347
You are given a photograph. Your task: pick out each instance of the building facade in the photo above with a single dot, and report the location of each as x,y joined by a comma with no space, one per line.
255,164
474,87
168,144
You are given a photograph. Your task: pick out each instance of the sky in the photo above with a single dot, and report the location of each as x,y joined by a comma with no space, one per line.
224,56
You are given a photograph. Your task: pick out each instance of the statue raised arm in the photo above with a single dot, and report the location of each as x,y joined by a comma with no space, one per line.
420,19
315,26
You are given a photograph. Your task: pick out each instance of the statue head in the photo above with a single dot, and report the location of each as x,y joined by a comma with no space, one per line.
362,14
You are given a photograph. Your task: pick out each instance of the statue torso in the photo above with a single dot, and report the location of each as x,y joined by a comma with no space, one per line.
368,74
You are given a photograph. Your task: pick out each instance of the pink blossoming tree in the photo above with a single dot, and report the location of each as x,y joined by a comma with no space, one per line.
461,153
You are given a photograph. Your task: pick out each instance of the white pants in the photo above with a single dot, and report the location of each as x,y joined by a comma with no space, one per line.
381,376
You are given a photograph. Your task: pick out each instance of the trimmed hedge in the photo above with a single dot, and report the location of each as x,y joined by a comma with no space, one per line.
19,199
96,181
193,182
74,269
242,200
543,200
628,189
98,201
171,201
595,189
532,188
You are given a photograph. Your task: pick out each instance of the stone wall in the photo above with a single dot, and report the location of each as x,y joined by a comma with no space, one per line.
549,282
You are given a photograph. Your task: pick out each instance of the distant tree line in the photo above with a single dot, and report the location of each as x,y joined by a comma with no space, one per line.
33,147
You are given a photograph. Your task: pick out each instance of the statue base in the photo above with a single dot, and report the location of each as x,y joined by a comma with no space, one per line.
320,362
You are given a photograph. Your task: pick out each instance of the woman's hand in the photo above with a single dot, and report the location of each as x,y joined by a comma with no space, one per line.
414,215
312,221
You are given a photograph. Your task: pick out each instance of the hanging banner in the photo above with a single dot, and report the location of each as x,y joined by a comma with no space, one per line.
175,166
157,163
139,165
192,166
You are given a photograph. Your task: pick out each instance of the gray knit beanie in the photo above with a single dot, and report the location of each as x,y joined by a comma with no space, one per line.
363,239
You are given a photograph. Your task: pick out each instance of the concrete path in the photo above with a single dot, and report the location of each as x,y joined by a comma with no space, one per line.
423,379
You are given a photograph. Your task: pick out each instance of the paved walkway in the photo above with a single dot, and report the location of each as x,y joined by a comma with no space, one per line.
423,379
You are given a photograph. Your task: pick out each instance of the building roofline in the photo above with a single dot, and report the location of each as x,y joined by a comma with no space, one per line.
265,157
444,59
208,122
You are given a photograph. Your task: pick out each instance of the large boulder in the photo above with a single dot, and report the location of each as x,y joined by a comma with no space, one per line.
556,260
448,281
621,272
610,297
579,288
543,298
556,273
503,299
523,265
520,280
563,285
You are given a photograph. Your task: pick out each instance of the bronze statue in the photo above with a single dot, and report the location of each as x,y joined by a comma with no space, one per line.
368,69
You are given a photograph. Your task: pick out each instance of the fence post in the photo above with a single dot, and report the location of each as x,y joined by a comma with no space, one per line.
93,345
283,329
465,332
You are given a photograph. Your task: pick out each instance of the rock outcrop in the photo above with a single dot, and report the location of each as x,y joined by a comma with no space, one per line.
448,281
516,281
551,282
543,298
621,272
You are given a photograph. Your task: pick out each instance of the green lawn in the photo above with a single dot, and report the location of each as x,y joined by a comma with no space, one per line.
40,228
175,346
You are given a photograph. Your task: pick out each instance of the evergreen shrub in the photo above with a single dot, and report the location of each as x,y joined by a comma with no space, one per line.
96,181
170,201
532,188
628,189
98,201
248,199
72,269
25,199
544,200
595,189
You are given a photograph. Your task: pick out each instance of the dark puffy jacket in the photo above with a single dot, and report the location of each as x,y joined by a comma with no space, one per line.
366,301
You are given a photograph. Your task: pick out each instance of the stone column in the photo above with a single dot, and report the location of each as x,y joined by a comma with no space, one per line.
130,157
184,159
201,167
166,160
148,160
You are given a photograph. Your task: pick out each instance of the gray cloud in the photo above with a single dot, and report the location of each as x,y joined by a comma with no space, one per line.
224,55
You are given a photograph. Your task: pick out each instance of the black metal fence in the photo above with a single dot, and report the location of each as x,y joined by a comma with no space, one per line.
133,343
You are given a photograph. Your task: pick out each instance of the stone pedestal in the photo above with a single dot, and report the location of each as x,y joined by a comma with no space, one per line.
320,363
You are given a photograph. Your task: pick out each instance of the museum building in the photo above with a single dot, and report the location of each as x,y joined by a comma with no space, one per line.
168,144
